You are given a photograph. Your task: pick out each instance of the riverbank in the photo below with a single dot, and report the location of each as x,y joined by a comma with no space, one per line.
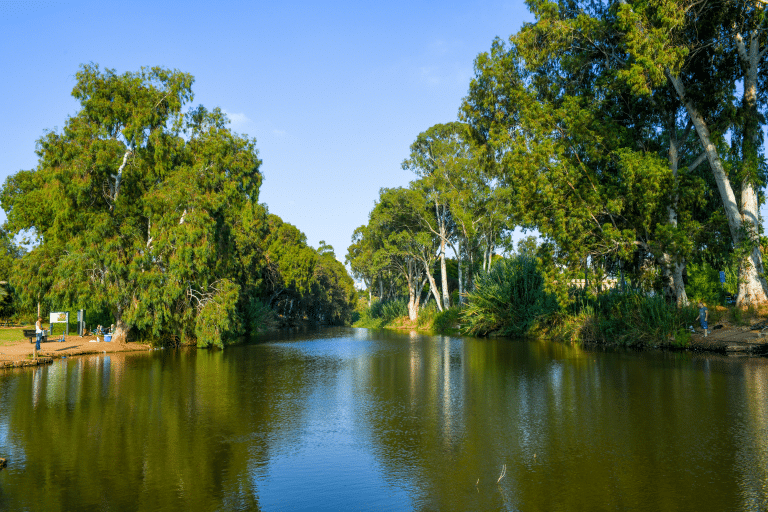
732,331
20,352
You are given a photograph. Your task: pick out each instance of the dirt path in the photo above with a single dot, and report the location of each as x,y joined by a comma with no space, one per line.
732,339
22,351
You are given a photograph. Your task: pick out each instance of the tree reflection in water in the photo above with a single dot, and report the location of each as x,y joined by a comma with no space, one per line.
356,419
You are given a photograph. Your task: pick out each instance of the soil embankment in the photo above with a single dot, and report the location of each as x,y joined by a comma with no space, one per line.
733,340
15,354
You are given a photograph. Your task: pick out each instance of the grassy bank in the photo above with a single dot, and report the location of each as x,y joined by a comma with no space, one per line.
633,321
394,315
511,300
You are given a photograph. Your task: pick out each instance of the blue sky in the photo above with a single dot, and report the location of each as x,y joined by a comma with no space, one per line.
334,92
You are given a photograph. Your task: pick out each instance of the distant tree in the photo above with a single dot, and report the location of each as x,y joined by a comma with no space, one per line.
527,246
367,262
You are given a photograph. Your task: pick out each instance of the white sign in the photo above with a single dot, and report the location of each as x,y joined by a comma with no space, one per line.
60,318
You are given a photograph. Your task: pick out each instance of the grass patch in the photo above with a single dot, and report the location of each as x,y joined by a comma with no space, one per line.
13,335
447,321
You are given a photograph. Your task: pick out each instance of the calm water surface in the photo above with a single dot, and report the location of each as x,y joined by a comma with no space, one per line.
351,419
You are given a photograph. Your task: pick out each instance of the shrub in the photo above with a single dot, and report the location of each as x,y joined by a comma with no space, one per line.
427,315
393,309
508,300
632,318
704,283
381,313
446,321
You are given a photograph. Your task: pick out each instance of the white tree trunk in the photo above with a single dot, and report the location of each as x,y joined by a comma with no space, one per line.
752,286
433,288
673,268
414,296
443,234
119,177
444,275
461,274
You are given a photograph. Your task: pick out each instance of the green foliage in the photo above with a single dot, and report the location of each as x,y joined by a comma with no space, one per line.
258,316
508,300
427,315
681,338
446,322
630,318
150,214
382,312
704,283
216,323
389,310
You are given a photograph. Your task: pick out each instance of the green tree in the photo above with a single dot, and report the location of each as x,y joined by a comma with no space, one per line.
610,177
396,228
705,51
367,261
468,215
333,291
290,267
134,205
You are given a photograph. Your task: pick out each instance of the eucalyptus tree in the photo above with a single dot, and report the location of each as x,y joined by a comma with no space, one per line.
135,206
396,227
440,156
581,49
566,85
333,291
563,154
705,50
469,214
367,261
290,266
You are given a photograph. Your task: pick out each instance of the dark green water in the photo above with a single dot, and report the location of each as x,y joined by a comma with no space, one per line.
346,419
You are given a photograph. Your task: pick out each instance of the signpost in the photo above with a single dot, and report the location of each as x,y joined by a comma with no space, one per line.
60,317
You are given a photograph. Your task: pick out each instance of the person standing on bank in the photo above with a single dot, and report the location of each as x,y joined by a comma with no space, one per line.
703,316
39,332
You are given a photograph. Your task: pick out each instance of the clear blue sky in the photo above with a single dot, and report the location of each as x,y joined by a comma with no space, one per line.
334,92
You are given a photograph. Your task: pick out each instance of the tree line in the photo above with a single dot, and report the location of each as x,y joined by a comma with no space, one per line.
629,134
145,211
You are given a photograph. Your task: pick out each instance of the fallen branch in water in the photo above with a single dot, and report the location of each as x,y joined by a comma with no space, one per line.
503,473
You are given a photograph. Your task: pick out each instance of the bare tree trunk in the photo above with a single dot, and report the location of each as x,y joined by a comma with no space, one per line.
369,287
121,332
443,234
444,275
121,328
461,274
673,268
433,287
752,286
414,298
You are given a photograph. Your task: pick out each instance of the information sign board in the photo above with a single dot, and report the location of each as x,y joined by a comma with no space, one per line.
60,317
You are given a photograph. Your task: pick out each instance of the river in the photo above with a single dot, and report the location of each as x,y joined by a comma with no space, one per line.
352,419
